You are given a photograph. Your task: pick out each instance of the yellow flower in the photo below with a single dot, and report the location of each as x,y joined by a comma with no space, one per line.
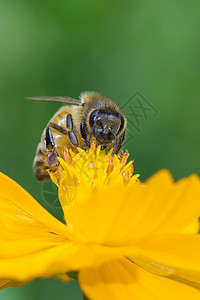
126,239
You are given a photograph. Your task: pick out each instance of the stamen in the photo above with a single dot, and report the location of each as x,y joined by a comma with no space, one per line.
75,150
132,169
125,157
58,174
126,177
93,145
111,165
66,156
93,169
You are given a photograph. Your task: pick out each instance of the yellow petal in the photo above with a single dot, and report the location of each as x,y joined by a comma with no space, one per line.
124,280
58,259
33,243
21,215
27,231
44,263
177,256
10,283
63,277
81,173
192,227
118,216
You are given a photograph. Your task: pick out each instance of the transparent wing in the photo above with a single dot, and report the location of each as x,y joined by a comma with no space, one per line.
66,100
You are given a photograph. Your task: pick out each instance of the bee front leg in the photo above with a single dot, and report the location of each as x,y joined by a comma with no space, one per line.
121,140
72,136
66,131
114,147
118,143
115,143
83,132
49,146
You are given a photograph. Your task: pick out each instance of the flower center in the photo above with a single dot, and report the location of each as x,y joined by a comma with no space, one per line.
91,170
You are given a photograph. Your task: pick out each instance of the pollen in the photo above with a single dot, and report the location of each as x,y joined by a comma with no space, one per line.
83,171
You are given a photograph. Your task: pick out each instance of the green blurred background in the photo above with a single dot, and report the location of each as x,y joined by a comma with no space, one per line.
117,48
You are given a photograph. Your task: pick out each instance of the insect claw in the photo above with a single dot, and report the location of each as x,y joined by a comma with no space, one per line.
53,160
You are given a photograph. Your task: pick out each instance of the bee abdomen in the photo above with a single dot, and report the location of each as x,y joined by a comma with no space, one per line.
41,166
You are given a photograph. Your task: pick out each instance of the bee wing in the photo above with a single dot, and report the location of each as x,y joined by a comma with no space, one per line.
66,100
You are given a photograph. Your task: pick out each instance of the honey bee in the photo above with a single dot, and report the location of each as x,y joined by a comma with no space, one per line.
74,125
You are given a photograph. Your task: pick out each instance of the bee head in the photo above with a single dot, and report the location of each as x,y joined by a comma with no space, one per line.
105,126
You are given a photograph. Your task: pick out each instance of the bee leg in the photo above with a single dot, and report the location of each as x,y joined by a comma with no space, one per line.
71,134
115,144
49,142
121,140
69,122
91,133
58,128
49,146
67,131
69,125
83,132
